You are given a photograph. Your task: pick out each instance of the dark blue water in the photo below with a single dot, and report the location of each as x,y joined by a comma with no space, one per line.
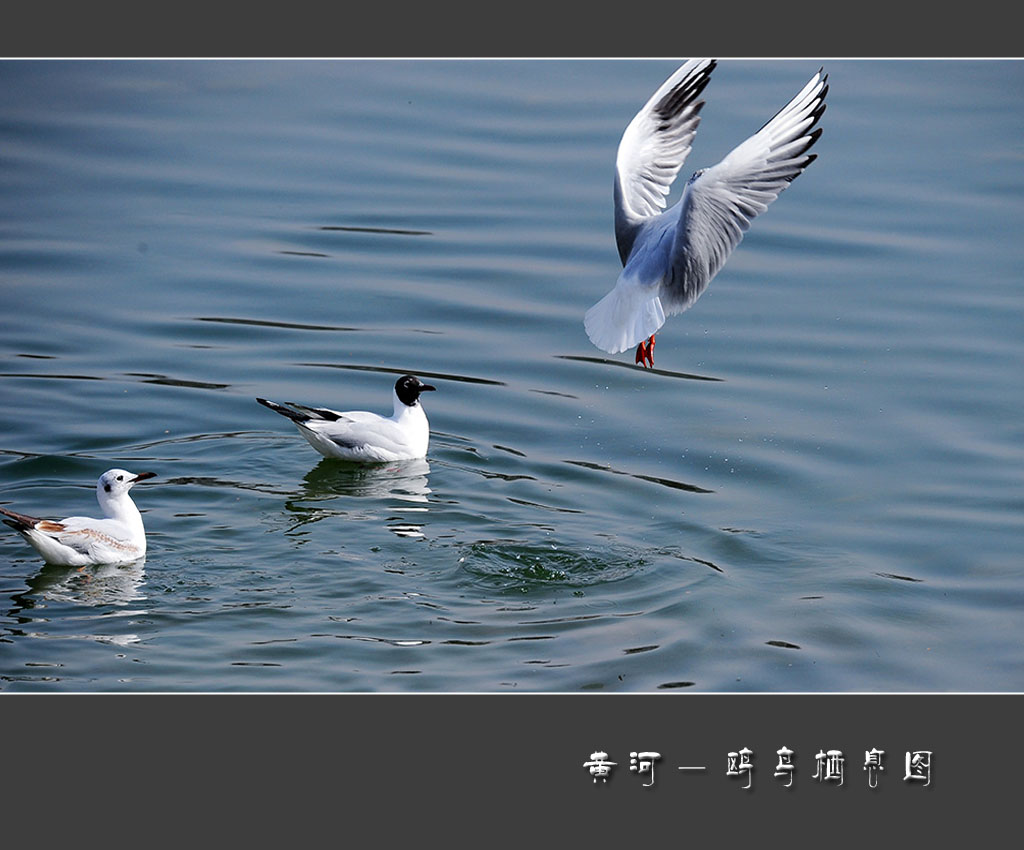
818,489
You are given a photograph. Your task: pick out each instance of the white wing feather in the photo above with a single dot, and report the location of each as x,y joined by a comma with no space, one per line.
719,202
657,141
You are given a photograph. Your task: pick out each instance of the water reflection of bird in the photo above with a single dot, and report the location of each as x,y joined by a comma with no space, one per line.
405,480
100,584
359,435
670,256
117,538
402,487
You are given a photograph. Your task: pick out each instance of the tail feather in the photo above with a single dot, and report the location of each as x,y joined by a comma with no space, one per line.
623,318
19,522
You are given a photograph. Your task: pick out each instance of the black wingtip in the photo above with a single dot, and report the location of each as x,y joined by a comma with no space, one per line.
314,412
284,411
685,95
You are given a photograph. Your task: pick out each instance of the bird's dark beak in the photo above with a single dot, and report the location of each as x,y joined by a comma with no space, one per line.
142,476
424,387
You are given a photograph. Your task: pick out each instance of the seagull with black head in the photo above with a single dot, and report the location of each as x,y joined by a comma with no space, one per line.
359,435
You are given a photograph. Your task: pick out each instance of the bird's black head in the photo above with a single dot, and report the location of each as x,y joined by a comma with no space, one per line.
408,389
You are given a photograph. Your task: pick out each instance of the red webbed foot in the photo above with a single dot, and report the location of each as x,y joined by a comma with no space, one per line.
645,353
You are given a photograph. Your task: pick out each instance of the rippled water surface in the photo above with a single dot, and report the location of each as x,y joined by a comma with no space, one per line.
818,487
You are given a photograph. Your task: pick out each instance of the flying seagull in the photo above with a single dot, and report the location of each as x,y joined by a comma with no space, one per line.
670,256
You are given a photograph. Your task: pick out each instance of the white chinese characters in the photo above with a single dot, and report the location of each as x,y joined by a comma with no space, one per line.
643,763
919,767
830,766
785,767
740,764
599,766
873,764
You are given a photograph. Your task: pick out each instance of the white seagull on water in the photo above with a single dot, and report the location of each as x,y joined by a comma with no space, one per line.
79,541
670,256
362,436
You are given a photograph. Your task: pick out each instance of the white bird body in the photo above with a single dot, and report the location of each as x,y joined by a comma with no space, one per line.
670,256
359,435
117,538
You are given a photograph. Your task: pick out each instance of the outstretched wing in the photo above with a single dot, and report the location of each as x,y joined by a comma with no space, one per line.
719,203
653,148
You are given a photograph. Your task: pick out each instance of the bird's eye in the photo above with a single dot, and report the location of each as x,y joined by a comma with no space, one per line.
120,478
